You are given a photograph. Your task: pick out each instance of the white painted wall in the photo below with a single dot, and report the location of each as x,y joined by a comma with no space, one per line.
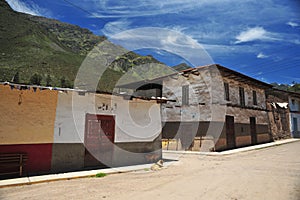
296,105
136,120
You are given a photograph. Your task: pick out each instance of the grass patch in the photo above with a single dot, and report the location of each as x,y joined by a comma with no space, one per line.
99,175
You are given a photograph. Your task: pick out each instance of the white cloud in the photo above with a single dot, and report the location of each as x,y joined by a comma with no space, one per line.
256,33
261,55
114,27
133,8
107,9
165,40
29,7
292,24
296,41
218,51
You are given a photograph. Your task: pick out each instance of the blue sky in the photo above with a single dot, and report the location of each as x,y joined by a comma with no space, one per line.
258,38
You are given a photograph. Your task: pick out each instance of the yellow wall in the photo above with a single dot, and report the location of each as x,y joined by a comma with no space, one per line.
26,117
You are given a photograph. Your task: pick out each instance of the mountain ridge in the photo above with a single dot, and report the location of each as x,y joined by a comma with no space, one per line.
52,51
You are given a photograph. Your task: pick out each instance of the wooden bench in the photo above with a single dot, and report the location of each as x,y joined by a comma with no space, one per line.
12,163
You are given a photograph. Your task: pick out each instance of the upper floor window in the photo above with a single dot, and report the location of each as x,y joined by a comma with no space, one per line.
185,95
226,91
242,96
254,97
293,101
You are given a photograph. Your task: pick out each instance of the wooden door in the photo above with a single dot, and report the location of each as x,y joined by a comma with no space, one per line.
253,130
295,124
230,135
99,139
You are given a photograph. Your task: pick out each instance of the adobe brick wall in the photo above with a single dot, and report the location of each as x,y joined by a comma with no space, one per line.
27,116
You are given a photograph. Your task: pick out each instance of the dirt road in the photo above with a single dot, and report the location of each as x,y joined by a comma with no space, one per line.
271,173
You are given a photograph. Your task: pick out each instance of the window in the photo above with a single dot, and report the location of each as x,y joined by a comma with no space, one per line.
226,91
185,95
293,101
242,96
254,97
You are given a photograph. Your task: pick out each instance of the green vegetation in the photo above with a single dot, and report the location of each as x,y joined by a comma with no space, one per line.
99,175
37,50
48,80
36,79
181,66
293,87
16,78
31,46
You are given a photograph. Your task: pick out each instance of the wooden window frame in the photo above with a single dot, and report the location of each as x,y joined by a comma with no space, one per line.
254,95
242,96
226,91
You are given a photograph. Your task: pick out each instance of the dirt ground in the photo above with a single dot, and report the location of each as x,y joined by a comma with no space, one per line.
271,173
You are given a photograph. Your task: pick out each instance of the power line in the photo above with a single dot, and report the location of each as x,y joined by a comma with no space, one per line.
80,8
266,63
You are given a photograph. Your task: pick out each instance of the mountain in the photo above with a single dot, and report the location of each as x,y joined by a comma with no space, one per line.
293,87
181,66
38,50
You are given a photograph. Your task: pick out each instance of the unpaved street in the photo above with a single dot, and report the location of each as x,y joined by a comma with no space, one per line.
271,173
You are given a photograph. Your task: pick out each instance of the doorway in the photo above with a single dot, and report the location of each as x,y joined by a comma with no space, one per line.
99,139
230,134
253,130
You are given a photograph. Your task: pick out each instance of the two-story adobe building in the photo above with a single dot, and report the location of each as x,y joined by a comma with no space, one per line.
209,108
214,102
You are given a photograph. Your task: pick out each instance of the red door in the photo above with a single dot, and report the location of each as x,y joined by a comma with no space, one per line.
99,139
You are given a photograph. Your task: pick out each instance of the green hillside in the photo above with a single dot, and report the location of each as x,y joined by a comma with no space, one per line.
37,50
181,66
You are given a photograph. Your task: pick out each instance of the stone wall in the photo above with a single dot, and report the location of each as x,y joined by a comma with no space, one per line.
206,110
279,117
234,94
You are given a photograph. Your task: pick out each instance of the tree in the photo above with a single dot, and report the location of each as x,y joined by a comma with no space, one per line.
48,80
293,87
16,78
65,83
36,79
